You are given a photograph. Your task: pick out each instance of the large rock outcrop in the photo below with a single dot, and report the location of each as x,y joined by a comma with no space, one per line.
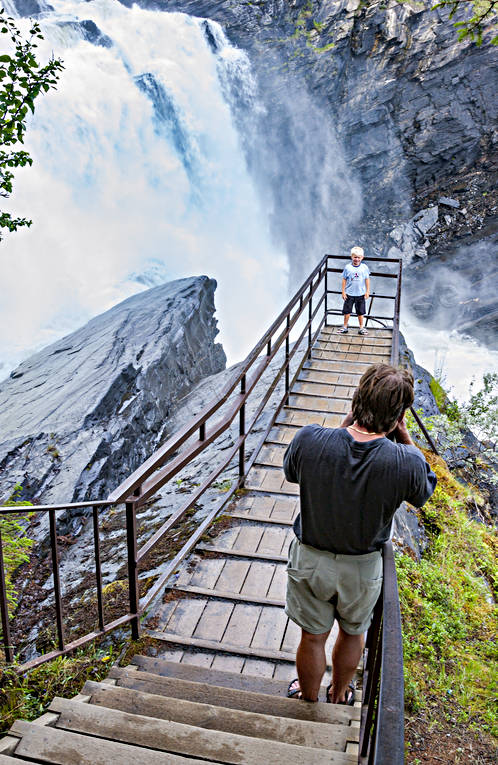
83,413
412,104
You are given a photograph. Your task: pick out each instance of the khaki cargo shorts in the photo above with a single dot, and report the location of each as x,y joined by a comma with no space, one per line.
323,586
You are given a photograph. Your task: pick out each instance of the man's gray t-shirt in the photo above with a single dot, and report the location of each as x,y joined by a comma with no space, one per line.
350,490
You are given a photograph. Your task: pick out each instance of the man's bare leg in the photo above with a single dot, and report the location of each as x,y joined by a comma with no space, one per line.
311,663
360,320
345,657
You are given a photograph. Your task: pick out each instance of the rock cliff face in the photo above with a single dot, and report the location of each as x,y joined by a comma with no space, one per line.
412,105
83,413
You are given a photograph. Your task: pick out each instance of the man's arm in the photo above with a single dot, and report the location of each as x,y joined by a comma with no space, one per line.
400,433
347,421
344,289
367,285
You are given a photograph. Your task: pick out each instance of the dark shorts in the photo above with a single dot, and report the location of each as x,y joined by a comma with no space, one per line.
359,303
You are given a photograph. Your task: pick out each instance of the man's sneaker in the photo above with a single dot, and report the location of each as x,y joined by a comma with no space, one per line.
342,331
363,331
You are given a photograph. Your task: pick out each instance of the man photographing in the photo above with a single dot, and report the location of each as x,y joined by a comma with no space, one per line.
351,481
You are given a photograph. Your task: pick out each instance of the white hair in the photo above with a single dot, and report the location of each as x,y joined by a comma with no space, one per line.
357,251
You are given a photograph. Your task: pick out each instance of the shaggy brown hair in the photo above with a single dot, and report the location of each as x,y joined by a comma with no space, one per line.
381,397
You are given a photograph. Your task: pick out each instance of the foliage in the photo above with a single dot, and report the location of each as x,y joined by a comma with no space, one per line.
22,79
15,543
479,415
483,12
27,695
449,612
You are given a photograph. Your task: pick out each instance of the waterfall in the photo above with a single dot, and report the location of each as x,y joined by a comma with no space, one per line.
139,177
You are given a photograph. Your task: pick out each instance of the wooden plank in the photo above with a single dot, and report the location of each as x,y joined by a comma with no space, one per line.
214,619
319,404
206,572
212,645
223,679
242,553
278,584
258,668
258,580
233,575
271,628
226,663
249,537
197,659
226,539
186,616
260,518
61,747
5,759
292,637
180,738
285,509
273,540
233,699
242,624
319,735
226,595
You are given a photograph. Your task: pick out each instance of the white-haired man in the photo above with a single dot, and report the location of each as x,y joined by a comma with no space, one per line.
355,289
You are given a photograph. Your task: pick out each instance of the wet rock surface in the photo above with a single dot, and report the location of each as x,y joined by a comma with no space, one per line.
412,105
83,413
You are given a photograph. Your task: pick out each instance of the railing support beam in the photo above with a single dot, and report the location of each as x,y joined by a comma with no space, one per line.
133,589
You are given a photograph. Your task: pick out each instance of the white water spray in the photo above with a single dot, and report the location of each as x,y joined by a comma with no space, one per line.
138,177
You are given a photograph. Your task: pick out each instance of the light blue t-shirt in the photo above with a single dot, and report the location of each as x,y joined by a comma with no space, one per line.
355,279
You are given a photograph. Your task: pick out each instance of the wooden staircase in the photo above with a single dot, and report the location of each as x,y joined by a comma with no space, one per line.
217,691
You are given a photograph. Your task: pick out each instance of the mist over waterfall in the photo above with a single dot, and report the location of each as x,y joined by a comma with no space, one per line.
140,176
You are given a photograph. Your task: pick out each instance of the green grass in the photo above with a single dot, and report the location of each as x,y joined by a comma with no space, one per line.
449,611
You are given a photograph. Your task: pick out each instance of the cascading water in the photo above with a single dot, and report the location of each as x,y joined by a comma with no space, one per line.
138,178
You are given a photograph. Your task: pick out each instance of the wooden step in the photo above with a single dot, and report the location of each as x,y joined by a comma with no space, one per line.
248,701
221,678
226,595
241,553
260,519
215,645
252,724
42,743
184,739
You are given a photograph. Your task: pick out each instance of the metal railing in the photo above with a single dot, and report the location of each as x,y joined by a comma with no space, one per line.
381,735
305,307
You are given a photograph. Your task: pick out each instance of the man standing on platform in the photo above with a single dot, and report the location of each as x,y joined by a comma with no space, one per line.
351,481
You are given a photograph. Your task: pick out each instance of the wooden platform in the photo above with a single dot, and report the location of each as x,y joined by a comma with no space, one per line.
216,690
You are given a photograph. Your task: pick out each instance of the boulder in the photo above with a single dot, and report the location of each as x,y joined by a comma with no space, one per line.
83,413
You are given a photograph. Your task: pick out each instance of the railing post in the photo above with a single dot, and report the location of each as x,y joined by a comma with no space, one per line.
326,292
202,432
131,539
310,313
9,651
242,432
287,370
98,567
57,583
